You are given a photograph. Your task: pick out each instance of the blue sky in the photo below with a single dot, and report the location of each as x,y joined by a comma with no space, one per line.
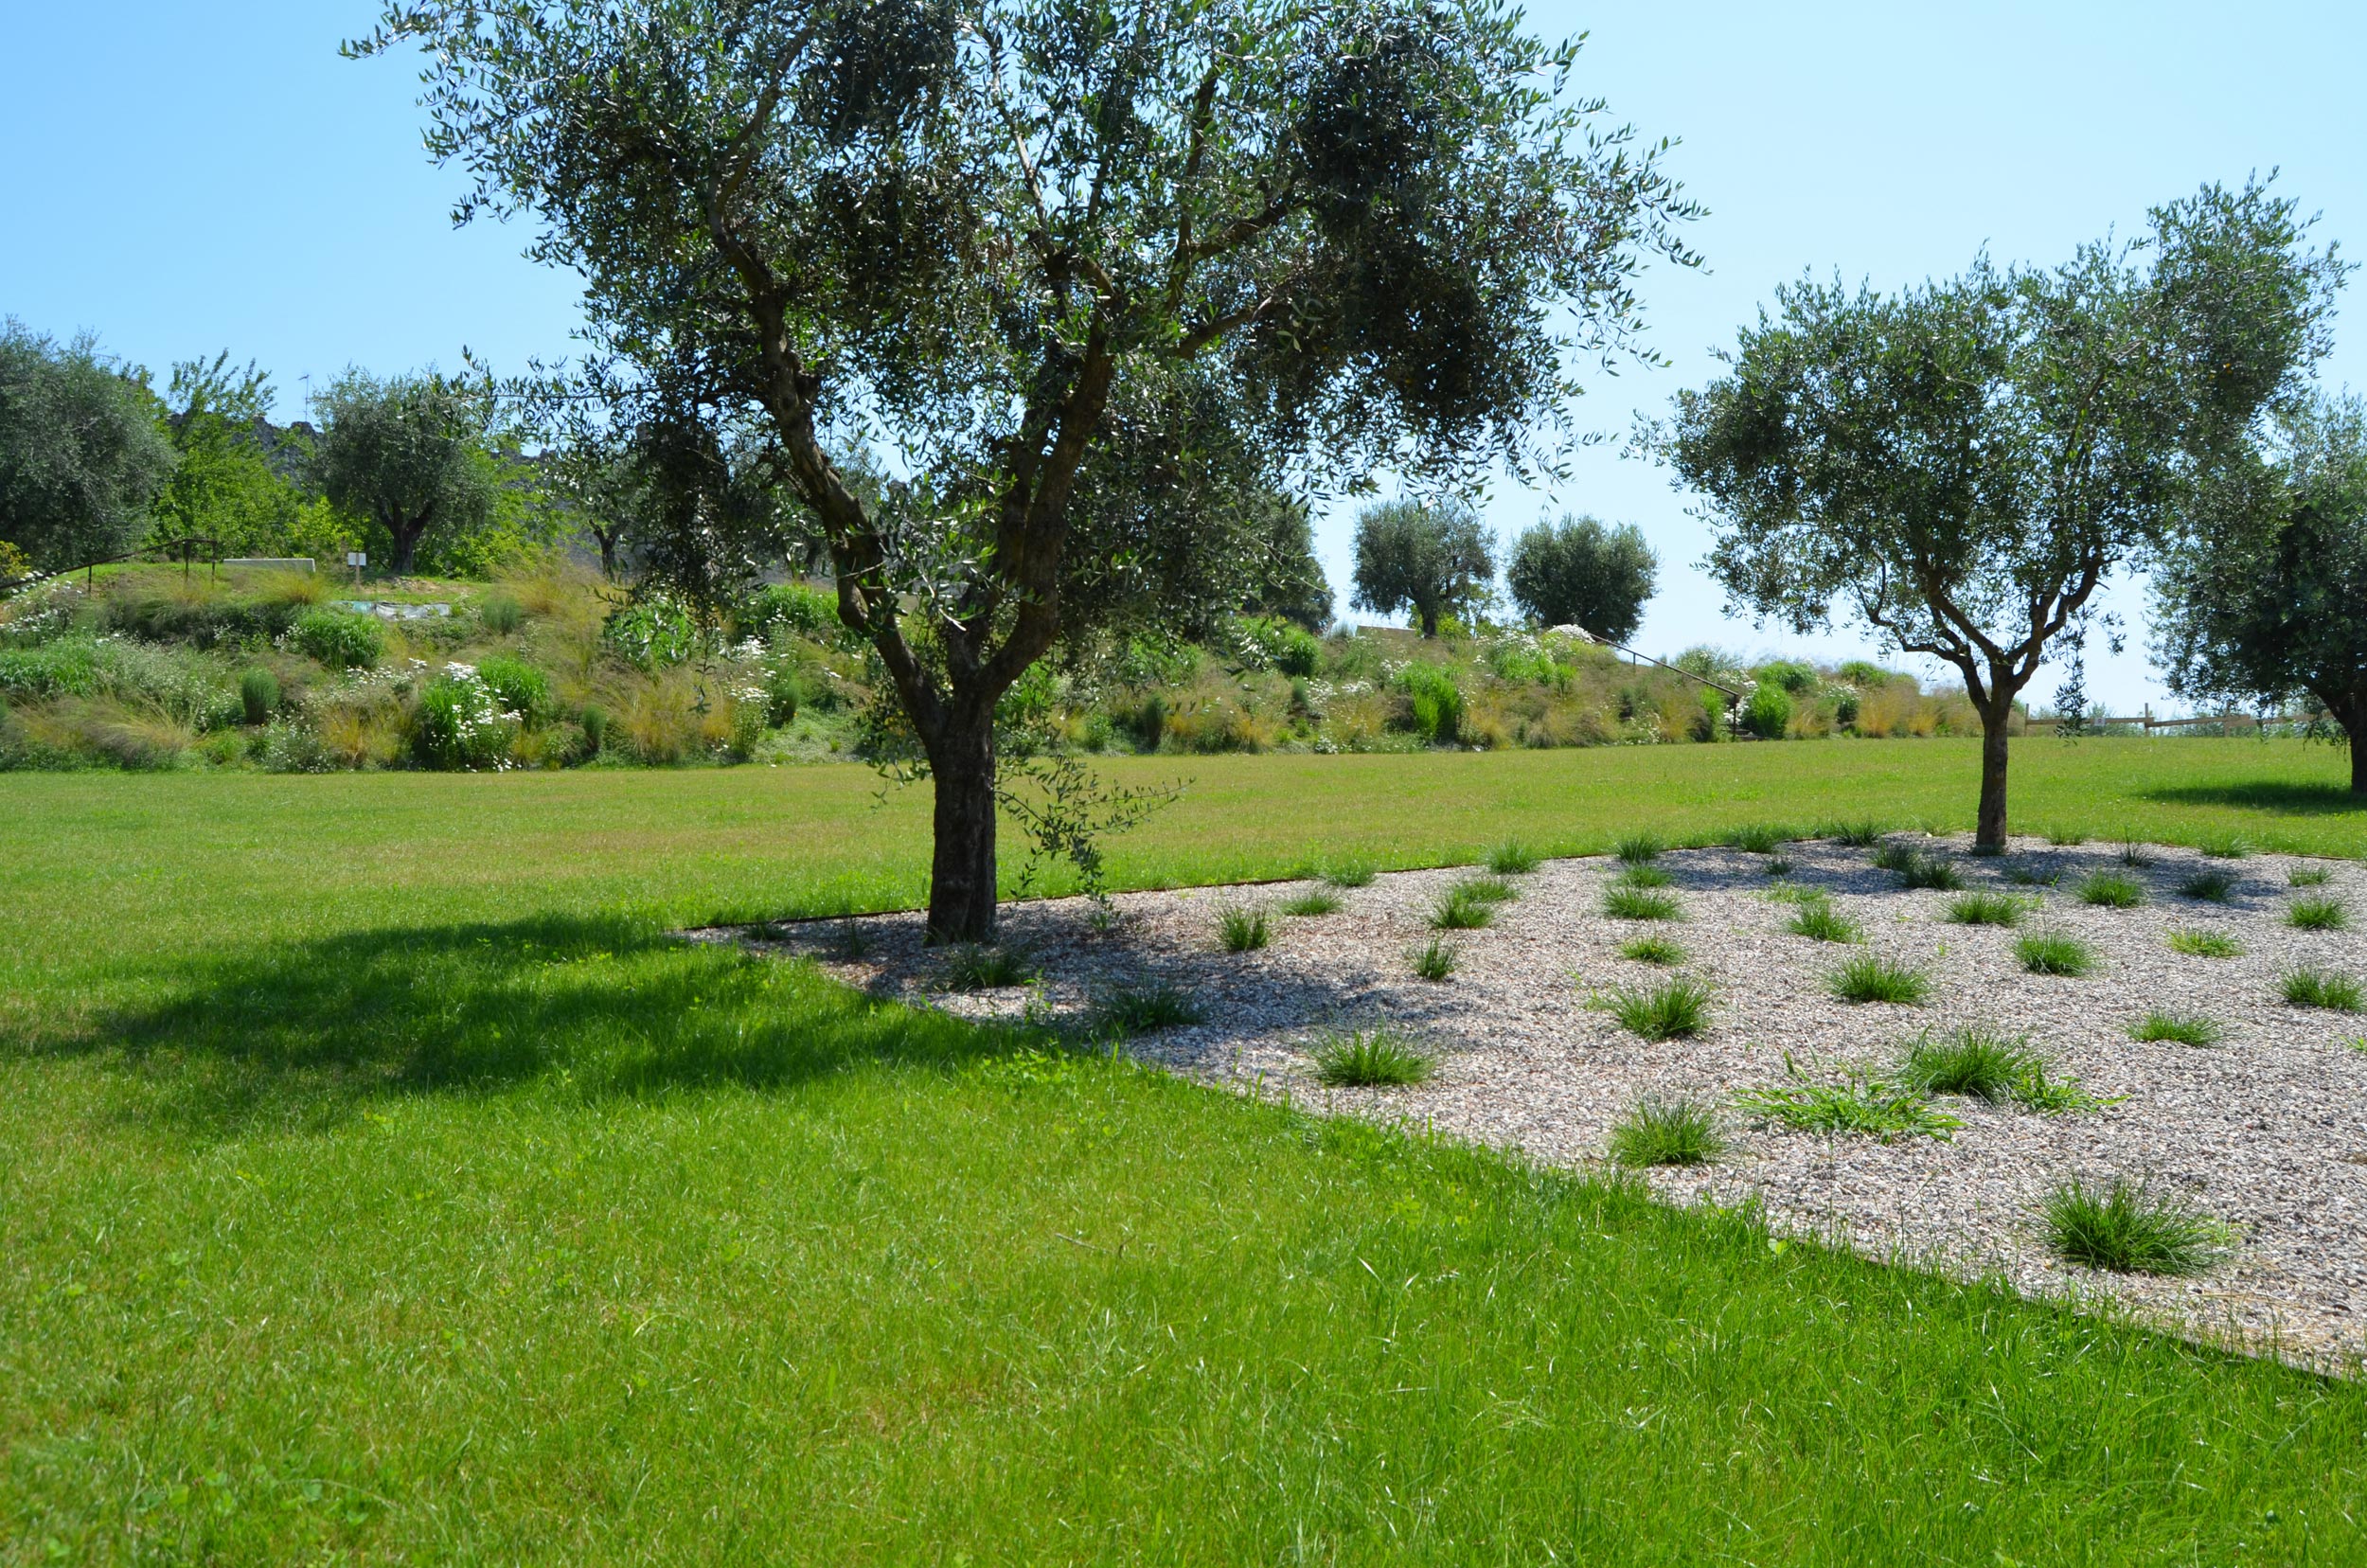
178,182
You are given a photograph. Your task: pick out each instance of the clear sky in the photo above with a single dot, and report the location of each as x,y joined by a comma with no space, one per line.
181,179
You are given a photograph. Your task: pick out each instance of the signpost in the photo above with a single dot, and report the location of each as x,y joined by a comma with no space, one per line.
356,560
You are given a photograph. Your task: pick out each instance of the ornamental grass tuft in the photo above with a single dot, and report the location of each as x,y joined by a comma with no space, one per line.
1371,1058
1871,978
1667,1132
2126,1227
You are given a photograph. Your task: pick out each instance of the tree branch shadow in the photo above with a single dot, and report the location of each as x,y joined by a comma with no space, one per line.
2266,795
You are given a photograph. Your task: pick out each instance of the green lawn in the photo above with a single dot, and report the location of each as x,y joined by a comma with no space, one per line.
377,1183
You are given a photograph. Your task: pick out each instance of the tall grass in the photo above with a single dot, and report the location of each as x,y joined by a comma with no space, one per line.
1371,1058
2126,1227
1871,978
1667,1132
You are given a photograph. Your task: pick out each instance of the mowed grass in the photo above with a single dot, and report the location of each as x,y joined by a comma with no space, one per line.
377,1181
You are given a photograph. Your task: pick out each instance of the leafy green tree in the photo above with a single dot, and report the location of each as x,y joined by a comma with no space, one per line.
409,454
2267,596
1580,573
228,486
1963,464
82,457
1041,249
1425,561
1286,580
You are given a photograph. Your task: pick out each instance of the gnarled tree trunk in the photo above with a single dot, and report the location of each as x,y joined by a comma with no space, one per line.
961,872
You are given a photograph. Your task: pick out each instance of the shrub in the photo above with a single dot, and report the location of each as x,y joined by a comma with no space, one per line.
1653,949
1817,920
500,614
1640,849
2128,1228
339,638
2051,952
2205,944
794,607
594,723
1459,911
1768,713
1985,909
1637,904
459,725
1512,858
1677,1009
2318,915
652,633
1870,978
1131,1011
258,695
1370,1059
1644,876
1434,960
1243,929
1972,1061
2319,988
1312,904
2111,890
518,686
983,967
1667,1132
2308,876
2210,887
1296,652
2180,1028
1863,1105
1351,873
1435,701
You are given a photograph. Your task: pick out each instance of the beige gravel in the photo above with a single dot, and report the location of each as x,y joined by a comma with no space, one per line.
2267,1130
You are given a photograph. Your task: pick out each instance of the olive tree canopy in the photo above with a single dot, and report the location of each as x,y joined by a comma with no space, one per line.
407,453
82,453
1580,573
1042,251
1961,465
1427,561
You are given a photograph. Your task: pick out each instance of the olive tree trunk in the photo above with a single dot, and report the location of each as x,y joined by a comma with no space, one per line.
1990,829
961,872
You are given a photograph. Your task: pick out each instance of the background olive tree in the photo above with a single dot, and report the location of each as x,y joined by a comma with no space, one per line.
1580,573
408,454
83,457
1961,465
2267,596
1041,253
1425,561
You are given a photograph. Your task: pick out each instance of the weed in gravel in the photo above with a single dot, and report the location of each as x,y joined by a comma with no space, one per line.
2308,876
2225,847
1760,838
2111,890
2034,876
1459,911
1869,978
1968,1061
1776,866
1493,890
2210,885
2065,838
1370,1059
1792,893
2205,944
2318,915
2134,855
1645,876
981,967
1433,960
1640,903
1653,949
2177,1028
2126,1227
1641,849
1818,922
1858,1104
1862,834
1351,873
1512,859
1243,929
1667,1132
1316,901
1146,1010
2303,987
1990,909
1677,1009
1931,871
2051,952
1891,855
2356,1042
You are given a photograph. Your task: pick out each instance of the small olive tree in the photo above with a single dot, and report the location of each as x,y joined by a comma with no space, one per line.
1425,561
1963,464
407,453
1041,249
2267,596
1580,573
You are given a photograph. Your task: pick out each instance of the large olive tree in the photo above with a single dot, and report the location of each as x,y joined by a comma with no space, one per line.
2267,596
1963,464
992,238
407,453
82,455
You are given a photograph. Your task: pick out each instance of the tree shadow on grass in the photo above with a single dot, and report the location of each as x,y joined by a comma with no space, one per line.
301,1036
2265,794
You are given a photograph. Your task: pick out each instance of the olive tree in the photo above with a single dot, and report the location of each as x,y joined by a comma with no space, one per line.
1024,246
1578,572
83,457
2267,596
1962,465
1427,561
407,453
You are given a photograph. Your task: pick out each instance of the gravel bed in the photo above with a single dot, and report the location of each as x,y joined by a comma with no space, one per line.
2266,1131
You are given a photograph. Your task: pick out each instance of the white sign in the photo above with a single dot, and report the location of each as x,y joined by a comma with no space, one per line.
357,558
